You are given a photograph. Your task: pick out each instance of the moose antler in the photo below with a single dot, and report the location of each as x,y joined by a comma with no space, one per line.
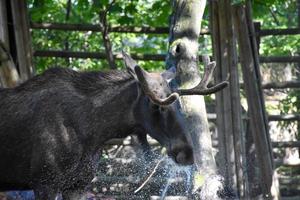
201,88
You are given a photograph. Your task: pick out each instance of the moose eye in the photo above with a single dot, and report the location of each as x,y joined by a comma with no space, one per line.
155,107
159,109
162,109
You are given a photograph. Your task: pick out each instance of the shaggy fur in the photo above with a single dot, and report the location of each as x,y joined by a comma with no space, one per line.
52,126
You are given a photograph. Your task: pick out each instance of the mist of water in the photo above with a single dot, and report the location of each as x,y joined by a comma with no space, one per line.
174,172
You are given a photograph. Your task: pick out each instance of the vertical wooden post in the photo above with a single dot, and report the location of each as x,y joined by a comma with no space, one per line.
298,69
232,155
254,48
275,191
255,104
9,76
222,158
22,38
68,11
257,26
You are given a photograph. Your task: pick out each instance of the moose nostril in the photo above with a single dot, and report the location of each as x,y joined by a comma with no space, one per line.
180,157
184,158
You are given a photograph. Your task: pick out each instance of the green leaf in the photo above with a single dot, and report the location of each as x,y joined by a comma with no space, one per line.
116,8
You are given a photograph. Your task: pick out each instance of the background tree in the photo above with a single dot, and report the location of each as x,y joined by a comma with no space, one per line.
183,54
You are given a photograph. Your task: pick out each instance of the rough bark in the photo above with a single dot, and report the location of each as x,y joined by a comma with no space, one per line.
9,76
105,36
22,38
68,11
183,39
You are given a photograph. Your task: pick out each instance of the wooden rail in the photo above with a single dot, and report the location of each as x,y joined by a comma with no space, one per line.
286,144
94,55
279,59
290,198
146,57
281,85
288,117
278,85
143,29
288,31
97,28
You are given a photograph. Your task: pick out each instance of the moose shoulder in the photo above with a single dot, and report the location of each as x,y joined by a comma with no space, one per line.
52,125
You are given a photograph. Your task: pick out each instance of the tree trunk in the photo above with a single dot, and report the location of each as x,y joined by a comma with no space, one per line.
183,54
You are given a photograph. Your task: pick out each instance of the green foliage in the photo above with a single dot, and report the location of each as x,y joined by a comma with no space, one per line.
276,13
152,13
291,103
280,45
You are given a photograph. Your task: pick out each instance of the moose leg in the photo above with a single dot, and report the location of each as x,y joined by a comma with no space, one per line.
46,193
74,195
142,138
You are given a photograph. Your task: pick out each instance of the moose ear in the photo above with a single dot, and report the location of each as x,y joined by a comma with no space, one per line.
129,63
142,76
169,74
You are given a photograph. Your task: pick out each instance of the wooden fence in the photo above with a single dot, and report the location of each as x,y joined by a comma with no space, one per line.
161,57
145,30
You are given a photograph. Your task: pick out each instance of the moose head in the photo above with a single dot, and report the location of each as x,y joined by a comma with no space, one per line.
158,111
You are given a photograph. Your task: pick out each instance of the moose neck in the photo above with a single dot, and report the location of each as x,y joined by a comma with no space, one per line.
113,110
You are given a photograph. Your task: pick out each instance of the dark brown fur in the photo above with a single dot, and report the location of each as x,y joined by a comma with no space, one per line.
52,126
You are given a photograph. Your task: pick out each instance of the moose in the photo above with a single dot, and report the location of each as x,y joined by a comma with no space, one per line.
52,125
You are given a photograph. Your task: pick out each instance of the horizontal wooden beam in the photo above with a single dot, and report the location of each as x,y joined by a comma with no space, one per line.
281,85
288,117
279,59
286,144
290,197
278,85
287,31
289,180
142,29
155,57
95,55
97,28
